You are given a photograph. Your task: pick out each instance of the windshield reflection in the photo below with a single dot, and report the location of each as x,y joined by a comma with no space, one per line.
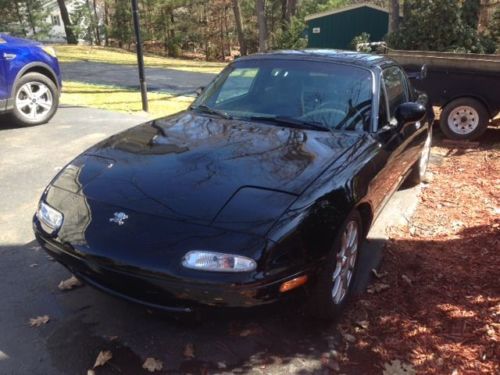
331,95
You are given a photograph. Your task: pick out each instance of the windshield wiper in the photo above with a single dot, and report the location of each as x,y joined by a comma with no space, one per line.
206,109
292,122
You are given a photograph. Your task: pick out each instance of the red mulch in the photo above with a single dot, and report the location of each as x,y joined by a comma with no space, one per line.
441,313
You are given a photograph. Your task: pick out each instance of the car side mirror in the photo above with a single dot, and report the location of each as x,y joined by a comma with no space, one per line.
409,112
199,90
422,74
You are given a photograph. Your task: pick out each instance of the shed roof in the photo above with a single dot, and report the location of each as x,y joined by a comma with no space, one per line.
345,9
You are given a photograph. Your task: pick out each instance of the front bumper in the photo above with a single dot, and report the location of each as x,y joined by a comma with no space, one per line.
165,293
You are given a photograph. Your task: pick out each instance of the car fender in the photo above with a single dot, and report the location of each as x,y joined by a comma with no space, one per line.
306,232
36,64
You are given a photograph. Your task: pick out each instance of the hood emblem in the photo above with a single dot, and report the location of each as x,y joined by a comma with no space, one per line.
119,218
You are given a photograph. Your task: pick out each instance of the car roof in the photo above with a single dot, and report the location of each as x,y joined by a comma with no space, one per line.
347,57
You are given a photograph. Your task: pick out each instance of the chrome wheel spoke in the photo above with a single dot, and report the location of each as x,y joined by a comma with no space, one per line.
32,113
45,105
27,89
22,103
42,90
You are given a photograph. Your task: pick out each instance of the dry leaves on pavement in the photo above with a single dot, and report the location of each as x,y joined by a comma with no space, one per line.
189,351
152,364
102,358
39,320
69,284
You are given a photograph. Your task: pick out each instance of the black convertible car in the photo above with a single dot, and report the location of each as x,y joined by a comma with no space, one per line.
264,187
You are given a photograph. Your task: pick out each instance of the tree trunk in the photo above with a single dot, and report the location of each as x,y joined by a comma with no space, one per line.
394,16
106,24
30,18
239,28
20,18
291,10
96,23
261,21
70,36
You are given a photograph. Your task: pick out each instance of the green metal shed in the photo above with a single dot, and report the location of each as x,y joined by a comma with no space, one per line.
337,28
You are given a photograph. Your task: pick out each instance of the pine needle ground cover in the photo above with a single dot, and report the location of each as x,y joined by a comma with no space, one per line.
440,312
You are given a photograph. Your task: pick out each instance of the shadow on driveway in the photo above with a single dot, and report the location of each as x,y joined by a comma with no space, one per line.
158,79
281,339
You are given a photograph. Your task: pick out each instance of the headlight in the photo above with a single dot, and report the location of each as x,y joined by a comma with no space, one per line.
49,51
217,262
49,216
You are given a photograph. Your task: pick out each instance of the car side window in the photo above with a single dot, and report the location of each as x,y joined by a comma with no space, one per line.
383,119
237,84
395,85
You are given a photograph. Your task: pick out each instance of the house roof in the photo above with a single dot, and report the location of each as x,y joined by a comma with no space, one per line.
344,9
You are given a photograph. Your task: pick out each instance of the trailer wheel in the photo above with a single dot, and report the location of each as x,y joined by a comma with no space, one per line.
464,118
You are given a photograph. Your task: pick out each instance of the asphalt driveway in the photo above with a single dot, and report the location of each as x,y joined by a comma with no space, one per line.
84,321
158,79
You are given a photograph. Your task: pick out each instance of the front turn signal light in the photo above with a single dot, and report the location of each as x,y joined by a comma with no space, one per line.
292,284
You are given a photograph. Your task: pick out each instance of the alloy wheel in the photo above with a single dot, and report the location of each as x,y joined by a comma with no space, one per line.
345,262
34,101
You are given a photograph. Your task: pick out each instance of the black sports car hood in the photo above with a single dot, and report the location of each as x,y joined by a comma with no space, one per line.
205,170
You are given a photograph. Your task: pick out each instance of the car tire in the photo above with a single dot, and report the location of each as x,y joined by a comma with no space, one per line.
417,173
464,119
35,99
327,300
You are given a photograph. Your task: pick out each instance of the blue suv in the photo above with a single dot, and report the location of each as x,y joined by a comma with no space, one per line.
30,80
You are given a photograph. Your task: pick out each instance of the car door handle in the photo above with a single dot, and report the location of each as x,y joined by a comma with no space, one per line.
9,56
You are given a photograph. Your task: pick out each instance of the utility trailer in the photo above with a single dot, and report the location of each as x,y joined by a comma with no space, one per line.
465,86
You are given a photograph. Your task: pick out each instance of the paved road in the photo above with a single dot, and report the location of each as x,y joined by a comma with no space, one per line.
158,79
84,321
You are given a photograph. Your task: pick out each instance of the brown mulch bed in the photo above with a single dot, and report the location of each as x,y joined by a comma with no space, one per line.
441,311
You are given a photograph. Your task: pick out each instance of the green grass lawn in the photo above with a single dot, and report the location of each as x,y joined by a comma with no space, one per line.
119,99
71,53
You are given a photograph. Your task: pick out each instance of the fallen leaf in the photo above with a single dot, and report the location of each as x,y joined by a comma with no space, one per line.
39,320
152,364
377,288
407,280
189,351
349,338
329,362
102,358
377,274
69,284
397,368
362,324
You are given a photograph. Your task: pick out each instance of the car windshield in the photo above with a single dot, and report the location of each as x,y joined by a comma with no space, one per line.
289,92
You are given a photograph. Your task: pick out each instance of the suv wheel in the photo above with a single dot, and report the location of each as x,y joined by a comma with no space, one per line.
35,99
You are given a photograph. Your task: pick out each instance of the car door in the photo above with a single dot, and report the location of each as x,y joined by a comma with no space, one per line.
393,160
